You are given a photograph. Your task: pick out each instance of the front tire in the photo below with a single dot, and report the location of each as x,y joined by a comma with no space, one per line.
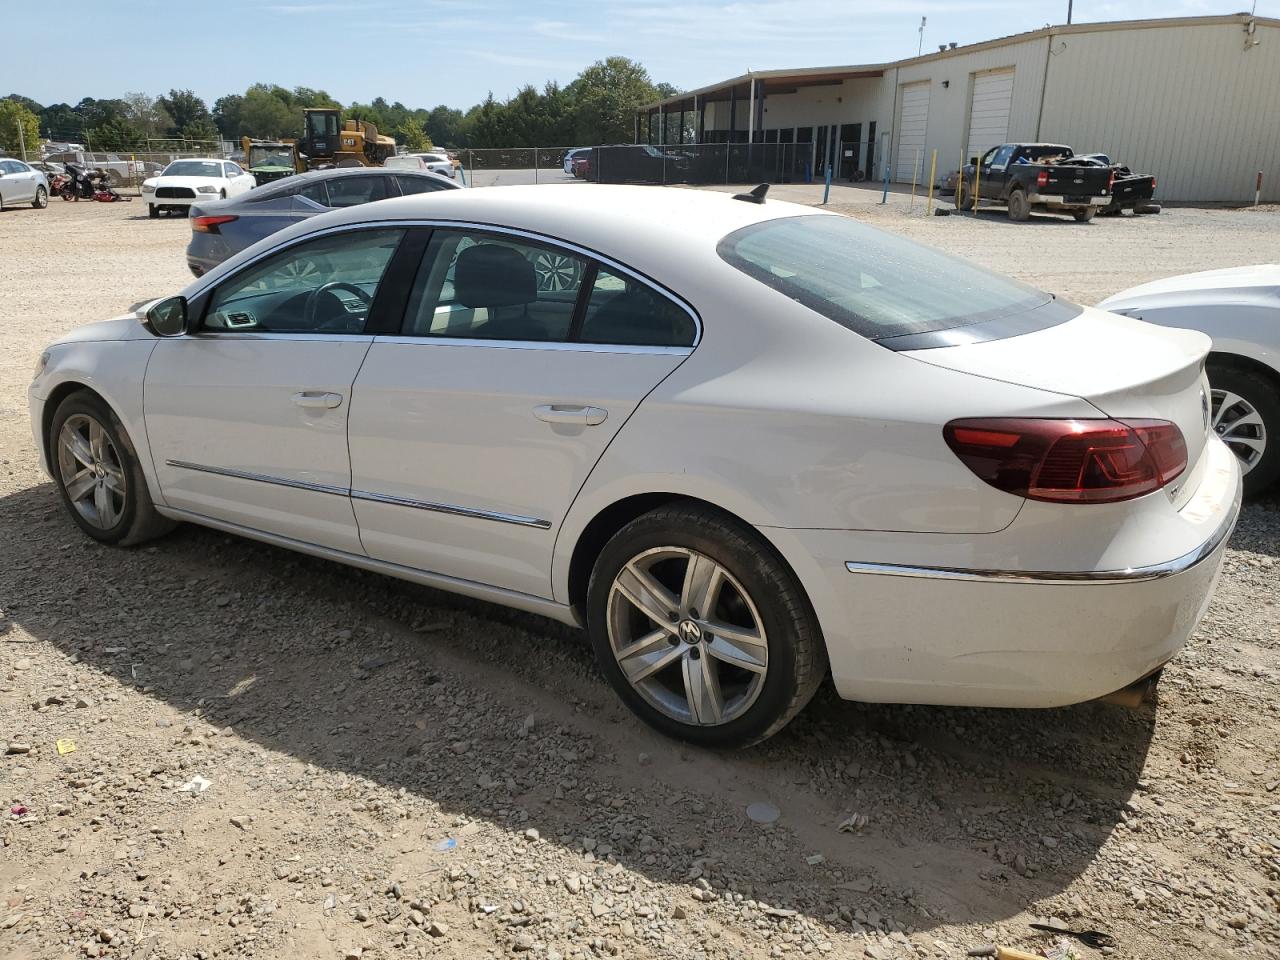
98,474
963,200
1246,416
1019,206
1083,215
701,628
152,211
42,198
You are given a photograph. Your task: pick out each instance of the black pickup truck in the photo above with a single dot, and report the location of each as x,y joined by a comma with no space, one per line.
1035,176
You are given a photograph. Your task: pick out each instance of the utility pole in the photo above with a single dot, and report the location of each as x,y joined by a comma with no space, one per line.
920,45
22,140
1069,2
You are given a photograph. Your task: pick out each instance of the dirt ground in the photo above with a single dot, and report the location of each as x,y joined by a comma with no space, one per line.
393,772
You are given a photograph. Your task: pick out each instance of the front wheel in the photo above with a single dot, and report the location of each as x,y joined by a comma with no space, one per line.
1084,214
1245,414
152,211
964,200
67,193
42,198
701,628
98,474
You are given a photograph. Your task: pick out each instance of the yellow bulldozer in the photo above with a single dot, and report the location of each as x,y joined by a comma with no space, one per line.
327,140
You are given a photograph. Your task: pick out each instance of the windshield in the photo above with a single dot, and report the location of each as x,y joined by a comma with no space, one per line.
194,168
874,283
270,157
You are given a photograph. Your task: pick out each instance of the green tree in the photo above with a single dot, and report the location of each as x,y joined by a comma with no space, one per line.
26,102
185,110
19,130
146,114
114,135
228,114
60,122
607,95
97,113
201,130
444,126
413,136
264,115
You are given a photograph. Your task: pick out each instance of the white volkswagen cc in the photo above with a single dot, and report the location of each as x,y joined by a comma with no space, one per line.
745,444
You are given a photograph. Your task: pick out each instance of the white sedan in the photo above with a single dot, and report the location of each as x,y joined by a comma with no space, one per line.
744,444
431,162
1240,309
22,183
183,182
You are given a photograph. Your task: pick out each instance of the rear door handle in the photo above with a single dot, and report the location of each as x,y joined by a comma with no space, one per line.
318,398
570,413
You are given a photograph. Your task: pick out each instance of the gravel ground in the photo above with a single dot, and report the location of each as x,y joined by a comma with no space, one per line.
393,772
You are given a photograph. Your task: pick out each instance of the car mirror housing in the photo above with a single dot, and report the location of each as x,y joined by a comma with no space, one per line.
167,317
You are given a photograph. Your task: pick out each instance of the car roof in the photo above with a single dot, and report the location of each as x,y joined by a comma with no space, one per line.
666,231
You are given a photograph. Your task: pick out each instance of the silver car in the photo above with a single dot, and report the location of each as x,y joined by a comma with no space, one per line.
21,183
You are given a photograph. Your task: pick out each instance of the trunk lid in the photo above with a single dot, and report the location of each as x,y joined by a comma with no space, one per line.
1126,368
1074,181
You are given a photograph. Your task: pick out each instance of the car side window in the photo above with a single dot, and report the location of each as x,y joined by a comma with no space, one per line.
315,192
325,285
623,310
353,191
410,185
1001,159
489,287
8,166
232,169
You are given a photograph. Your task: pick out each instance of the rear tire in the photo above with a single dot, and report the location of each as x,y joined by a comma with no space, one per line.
98,474
1019,205
753,611
42,198
1246,416
1083,216
963,200
152,212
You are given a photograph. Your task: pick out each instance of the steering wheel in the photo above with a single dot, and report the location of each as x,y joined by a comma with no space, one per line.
313,301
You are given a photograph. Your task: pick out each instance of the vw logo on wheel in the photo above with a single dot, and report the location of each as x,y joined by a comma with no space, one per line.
690,632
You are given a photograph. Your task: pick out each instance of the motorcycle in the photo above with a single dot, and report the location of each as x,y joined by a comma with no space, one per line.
82,184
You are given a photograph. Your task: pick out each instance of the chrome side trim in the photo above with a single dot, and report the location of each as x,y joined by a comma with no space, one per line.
259,477
573,346
1155,571
467,588
449,508
453,510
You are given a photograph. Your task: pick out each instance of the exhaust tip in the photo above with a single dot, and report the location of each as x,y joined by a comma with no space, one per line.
1137,693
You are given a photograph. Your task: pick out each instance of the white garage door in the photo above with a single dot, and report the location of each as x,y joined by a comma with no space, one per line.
913,126
989,113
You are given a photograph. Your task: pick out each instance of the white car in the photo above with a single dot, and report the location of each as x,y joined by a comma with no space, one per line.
183,182
570,154
20,183
1240,309
433,162
743,443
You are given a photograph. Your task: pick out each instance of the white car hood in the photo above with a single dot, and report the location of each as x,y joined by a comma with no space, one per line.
125,327
1240,284
191,182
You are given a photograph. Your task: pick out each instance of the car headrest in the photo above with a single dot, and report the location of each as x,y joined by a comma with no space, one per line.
489,275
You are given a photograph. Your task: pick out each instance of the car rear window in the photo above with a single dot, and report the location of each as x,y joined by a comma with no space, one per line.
874,283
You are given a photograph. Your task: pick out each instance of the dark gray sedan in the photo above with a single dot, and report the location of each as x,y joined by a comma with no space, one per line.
222,228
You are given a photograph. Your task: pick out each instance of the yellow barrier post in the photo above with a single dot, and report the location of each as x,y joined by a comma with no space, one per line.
933,170
977,184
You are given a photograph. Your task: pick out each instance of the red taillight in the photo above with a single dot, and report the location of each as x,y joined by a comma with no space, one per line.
1042,178
209,224
1070,461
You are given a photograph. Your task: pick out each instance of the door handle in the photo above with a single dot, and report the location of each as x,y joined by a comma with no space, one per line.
570,413
318,398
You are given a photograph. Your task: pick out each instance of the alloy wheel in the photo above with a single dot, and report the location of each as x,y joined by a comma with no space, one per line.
1238,423
91,471
687,636
555,271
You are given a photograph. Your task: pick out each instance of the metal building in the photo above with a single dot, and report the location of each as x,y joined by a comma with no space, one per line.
1194,101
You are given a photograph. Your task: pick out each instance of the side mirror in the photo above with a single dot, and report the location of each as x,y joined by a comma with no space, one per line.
973,161
167,317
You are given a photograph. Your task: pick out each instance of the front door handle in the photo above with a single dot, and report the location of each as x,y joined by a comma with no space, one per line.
318,398
570,413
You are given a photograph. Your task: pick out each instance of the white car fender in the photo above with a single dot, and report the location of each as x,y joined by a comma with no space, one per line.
124,365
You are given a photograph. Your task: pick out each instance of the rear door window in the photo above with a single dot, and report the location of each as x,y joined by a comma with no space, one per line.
409,185
316,193
353,191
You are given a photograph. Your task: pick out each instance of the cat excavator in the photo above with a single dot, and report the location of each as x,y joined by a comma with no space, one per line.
327,140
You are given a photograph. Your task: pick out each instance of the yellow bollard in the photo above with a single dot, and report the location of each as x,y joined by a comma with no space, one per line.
915,174
933,170
977,183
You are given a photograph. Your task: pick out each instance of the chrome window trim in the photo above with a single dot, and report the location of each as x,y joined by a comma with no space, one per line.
451,509
258,477
447,508
203,284
410,340
1155,571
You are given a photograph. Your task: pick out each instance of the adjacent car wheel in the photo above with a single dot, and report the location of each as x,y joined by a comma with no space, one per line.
1019,205
42,198
1083,215
98,474
701,629
1246,415
152,211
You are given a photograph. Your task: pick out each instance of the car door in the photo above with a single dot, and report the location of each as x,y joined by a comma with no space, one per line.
247,415
473,429
13,182
238,181
997,171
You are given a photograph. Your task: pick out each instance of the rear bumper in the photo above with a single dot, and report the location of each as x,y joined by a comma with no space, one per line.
1055,200
1007,637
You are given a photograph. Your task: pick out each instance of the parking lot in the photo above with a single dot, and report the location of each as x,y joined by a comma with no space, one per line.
396,772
